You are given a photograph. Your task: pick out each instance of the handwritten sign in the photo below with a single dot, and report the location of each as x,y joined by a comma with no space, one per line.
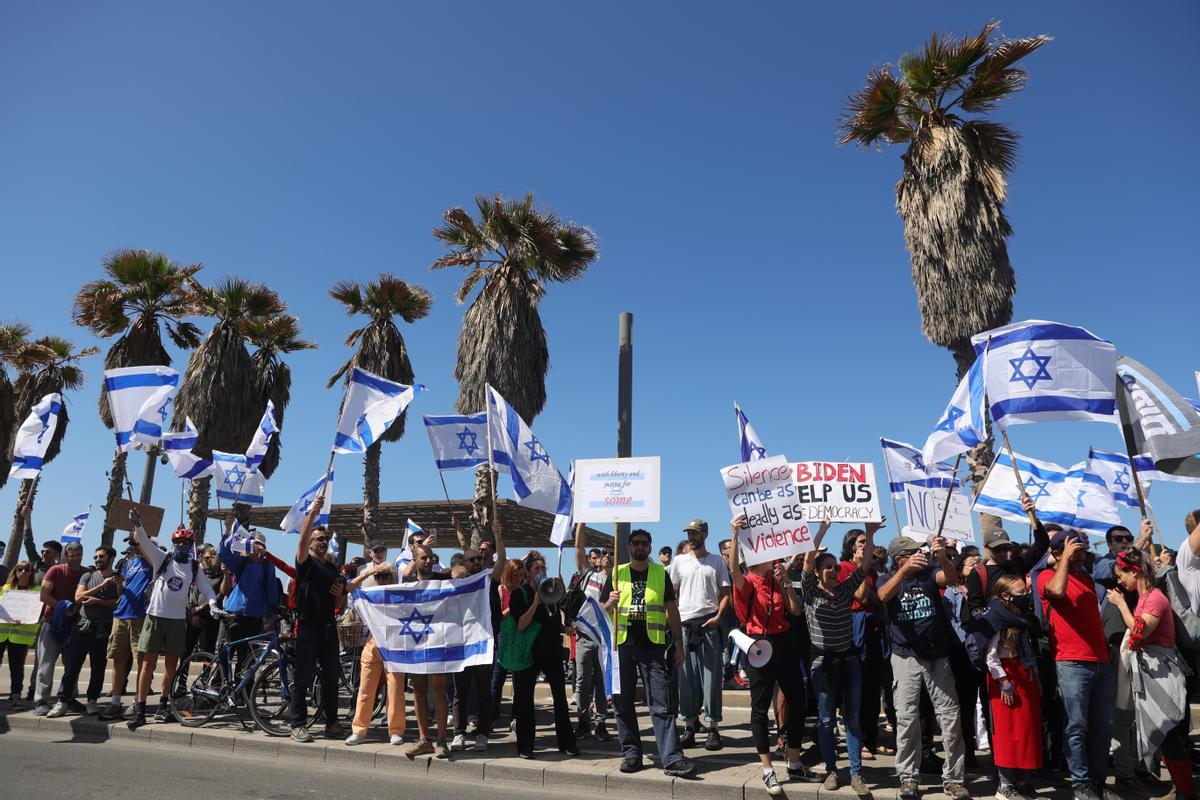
924,511
20,606
617,489
837,491
775,526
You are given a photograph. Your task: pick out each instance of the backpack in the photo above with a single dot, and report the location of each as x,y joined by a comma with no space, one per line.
575,597
158,573
1187,622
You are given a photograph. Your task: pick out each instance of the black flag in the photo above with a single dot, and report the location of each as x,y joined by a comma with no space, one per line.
1157,421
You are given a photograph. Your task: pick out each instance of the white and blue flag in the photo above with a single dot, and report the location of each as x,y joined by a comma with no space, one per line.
152,418
34,436
751,446
1039,371
412,529
906,465
74,530
592,620
267,428
177,447
961,426
335,547
1095,509
1112,469
1053,490
429,627
294,519
241,541
459,441
236,482
130,390
371,405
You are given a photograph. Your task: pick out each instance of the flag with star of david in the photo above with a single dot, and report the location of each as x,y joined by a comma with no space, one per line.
33,438
372,403
1113,471
1052,488
906,465
267,428
140,400
1095,508
74,530
1040,371
429,627
152,417
751,445
459,441
235,481
177,447
961,425
294,519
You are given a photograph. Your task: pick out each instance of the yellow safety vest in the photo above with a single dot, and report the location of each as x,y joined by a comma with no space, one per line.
654,612
18,634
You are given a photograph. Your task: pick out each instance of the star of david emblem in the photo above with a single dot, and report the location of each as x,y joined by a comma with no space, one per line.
1121,481
1040,373
1079,499
468,441
235,477
45,427
948,422
164,409
758,451
534,447
418,619
1038,487
918,462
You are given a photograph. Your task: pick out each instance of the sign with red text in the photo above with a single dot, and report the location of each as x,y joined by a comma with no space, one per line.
775,526
616,489
838,491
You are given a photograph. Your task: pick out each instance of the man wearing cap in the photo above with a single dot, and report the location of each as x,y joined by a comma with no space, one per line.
1001,558
130,612
918,631
252,602
1085,679
379,572
165,630
701,583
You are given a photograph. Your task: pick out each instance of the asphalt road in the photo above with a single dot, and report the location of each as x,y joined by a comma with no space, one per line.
36,766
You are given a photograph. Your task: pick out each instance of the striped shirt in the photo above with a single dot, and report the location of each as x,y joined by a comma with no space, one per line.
830,624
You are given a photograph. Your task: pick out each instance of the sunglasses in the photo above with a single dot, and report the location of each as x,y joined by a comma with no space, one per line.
320,538
1122,539
24,569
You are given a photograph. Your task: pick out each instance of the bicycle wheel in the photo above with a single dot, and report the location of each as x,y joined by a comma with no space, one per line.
270,699
198,690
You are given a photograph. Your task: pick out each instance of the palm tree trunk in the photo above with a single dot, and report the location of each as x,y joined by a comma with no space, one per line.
116,482
13,554
198,498
370,518
979,458
481,506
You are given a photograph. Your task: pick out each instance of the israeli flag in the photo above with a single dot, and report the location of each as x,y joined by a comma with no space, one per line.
1095,509
335,547
177,446
372,404
296,515
906,465
561,528
129,391
459,441
752,446
592,620
236,482
1040,371
152,417
34,436
961,426
74,530
1051,487
537,482
429,627
267,427
1112,469
241,541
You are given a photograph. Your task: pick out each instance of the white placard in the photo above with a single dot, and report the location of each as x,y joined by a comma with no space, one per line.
775,525
617,489
23,607
924,506
839,491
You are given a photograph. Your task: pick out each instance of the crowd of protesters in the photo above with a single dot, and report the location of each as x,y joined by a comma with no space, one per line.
1059,661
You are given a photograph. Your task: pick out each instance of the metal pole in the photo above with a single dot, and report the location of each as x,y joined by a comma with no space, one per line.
148,475
624,416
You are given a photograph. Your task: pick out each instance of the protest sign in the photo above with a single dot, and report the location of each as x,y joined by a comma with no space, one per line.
775,526
837,491
21,607
616,489
924,508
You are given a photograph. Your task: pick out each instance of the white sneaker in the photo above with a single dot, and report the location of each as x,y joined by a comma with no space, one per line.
354,739
59,710
459,742
481,742
396,740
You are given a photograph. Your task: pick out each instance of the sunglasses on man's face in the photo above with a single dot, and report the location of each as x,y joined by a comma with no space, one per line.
1122,539
320,538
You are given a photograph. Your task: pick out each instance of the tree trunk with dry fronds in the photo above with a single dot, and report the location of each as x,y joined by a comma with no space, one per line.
116,485
481,506
198,498
370,508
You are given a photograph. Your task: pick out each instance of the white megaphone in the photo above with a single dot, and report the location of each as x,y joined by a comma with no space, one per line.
758,651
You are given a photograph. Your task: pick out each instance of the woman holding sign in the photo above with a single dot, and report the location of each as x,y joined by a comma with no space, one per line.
763,598
15,638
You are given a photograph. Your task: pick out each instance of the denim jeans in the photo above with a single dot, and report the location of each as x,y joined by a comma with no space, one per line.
1088,692
702,678
650,662
839,682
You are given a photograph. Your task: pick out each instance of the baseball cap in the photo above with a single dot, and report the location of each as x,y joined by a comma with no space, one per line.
1059,540
996,537
375,544
903,544
697,525
260,537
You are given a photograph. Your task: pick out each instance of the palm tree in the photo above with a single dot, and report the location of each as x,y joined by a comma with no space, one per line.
219,389
515,249
141,290
14,348
954,183
273,337
379,348
52,365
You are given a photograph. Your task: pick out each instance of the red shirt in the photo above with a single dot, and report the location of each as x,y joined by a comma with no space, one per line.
845,570
65,581
1076,632
760,605
1156,604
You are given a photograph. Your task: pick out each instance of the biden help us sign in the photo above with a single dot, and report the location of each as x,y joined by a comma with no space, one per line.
837,491
775,526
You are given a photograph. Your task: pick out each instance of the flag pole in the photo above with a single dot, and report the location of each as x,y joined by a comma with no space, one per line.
491,454
891,494
446,492
1012,459
949,494
1141,496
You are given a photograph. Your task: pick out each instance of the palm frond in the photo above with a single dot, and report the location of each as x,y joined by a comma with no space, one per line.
883,109
349,294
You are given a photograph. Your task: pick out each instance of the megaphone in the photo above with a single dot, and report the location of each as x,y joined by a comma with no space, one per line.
758,651
552,591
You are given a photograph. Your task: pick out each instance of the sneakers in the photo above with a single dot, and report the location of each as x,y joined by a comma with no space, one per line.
631,765
92,708
333,731
59,710
1084,792
801,773
908,789
139,717
956,791
301,734
713,742
41,710
354,739
680,769
772,784
14,700
571,750
688,739
583,730
1009,792
422,747
601,733
481,742
459,742
76,707
860,786
396,740
441,749
162,712
830,784
111,711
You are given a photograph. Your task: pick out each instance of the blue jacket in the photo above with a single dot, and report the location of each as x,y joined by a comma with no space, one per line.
61,622
255,592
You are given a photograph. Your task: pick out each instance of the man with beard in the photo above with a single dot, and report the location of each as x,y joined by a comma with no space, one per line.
379,572
423,570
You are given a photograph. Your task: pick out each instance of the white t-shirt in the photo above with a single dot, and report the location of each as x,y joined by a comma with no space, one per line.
1188,564
594,584
698,584
169,597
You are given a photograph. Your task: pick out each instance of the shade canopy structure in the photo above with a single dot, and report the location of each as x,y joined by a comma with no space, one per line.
523,526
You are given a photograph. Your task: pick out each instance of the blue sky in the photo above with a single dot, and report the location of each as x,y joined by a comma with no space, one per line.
300,144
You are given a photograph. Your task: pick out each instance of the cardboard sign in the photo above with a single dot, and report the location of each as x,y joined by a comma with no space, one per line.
20,606
924,507
837,491
617,489
118,516
775,526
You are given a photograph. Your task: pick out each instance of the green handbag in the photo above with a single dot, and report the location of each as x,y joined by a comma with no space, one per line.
516,645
